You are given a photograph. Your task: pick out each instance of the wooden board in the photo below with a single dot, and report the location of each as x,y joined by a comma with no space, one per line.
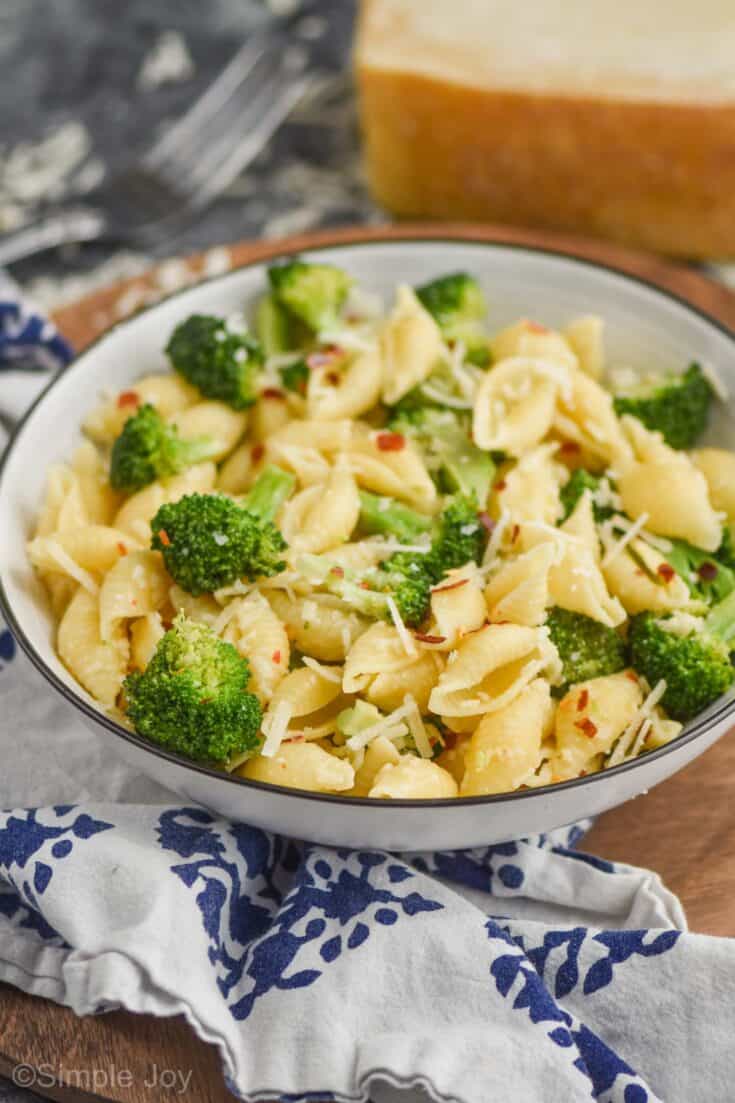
683,829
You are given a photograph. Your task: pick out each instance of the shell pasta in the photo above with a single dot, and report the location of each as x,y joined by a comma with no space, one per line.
392,553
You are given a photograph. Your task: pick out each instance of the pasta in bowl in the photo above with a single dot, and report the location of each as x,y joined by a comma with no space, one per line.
378,547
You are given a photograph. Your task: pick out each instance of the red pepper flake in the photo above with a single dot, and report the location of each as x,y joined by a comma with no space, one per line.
570,448
390,442
299,737
451,586
536,327
257,453
501,485
631,676
332,377
422,637
586,726
583,700
364,585
338,572
515,532
666,572
450,740
164,537
486,521
273,392
128,398
708,571
121,548
276,656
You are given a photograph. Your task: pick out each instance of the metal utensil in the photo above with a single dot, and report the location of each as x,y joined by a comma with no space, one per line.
192,163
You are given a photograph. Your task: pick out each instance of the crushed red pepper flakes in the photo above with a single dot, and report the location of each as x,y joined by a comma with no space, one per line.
707,571
587,727
450,740
364,585
515,533
276,656
273,392
665,571
164,537
486,521
451,586
500,485
570,448
332,377
257,453
423,637
338,572
583,700
390,442
128,398
631,676
121,548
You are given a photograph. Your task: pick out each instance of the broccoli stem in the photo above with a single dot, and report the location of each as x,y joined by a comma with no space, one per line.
272,326
391,519
268,493
720,620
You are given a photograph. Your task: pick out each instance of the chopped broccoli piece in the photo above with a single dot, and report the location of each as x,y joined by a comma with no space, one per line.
222,363
149,449
402,577
677,406
408,579
356,719
295,376
587,649
208,541
272,325
192,697
707,577
457,304
692,655
387,517
314,293
443,436
575,487
459,539
270,490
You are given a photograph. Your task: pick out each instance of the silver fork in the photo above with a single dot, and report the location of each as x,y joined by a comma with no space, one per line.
192,163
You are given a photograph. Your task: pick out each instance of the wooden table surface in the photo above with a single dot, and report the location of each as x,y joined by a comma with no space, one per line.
684,829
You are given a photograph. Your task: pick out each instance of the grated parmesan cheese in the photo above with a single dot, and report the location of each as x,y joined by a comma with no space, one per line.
633,530
443,398
622,749
387,725
328,673
275,728
417,728
403,633
496,537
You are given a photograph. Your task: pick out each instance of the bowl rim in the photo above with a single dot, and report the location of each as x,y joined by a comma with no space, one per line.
323,241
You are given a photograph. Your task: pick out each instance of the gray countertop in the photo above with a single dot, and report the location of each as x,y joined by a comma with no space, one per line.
86,84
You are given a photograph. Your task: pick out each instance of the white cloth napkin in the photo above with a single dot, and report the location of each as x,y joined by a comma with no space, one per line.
522,973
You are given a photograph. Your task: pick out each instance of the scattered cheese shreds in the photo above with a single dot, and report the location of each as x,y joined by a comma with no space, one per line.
416,727
622,749
328,673
275,728
403,633
614,551
381,727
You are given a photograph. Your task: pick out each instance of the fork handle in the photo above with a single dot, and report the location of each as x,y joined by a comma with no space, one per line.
60,227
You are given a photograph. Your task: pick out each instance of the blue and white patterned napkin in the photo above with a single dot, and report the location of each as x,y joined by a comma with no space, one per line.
523,973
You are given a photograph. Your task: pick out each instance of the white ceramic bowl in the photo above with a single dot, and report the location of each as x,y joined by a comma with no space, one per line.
645,327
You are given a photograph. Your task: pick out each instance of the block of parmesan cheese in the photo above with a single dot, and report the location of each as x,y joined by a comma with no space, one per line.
607,117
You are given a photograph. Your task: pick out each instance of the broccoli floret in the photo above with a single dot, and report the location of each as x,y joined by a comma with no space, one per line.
208,541
223,363
268,493
402,577
192,697
708,578
459,539
457,304
587,649
149,449
691,654
387,517
408,579
443,437
313,293
677,406
573,490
